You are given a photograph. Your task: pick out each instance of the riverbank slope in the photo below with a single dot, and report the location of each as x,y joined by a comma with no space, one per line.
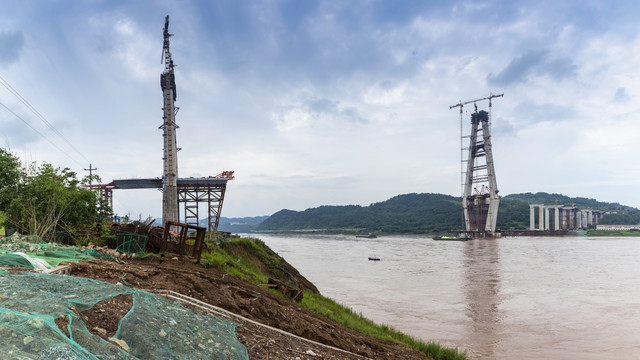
252,302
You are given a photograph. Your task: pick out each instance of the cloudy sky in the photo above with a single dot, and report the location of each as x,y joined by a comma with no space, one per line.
327,102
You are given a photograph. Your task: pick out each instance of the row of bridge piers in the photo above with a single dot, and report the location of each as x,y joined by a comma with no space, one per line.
561,217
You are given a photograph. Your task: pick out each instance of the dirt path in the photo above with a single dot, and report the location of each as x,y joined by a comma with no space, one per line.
252,302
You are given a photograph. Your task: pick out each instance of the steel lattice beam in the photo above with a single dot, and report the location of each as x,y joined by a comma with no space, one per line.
193,196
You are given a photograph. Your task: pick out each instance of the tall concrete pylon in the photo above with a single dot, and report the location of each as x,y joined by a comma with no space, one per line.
170,159
480,199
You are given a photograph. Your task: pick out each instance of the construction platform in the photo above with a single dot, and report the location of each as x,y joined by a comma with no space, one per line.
191,192
156,183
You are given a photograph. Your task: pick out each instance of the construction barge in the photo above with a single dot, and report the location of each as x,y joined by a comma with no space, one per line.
512,233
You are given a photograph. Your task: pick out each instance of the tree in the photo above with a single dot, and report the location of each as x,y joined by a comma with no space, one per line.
11,173
48,198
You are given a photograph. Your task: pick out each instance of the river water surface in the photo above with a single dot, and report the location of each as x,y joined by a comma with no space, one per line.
512,298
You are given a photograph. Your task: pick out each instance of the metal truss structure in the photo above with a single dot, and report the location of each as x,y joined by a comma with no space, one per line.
192,195
192,192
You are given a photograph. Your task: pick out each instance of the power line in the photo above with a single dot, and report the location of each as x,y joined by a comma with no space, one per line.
39,133
24,101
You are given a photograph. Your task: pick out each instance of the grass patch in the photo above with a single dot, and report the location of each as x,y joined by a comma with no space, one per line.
232,265
250,259
347,317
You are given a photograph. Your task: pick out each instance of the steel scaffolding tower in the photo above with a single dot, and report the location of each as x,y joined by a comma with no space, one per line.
213,196
170,159
480,199
211,191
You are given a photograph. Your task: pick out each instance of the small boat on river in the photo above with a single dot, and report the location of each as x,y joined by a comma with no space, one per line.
368,236
375,258
462,237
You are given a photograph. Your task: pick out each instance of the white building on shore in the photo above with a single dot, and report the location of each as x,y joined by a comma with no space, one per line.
617,227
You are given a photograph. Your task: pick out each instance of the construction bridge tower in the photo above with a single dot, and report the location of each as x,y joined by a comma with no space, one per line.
170,169
480,197
192,192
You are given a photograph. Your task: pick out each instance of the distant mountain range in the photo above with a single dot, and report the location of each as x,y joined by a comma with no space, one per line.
410,213
232,225
430,213
414,214
237,225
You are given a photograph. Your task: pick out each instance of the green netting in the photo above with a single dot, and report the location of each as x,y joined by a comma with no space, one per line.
16,237
131,243
154,328
178,331
63,237
31,247
3,272
94,345
27,336
35,247
15,260
28,244
93,252
53,258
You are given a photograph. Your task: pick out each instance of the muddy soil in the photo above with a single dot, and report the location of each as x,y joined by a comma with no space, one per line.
237,296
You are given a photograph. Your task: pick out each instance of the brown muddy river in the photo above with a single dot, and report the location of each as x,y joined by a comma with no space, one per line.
512,298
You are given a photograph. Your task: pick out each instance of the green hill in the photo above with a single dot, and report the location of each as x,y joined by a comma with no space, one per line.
559,199
428,214
409,213
237,225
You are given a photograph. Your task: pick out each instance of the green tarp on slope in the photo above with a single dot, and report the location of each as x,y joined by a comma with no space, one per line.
54,258
154,328
14,260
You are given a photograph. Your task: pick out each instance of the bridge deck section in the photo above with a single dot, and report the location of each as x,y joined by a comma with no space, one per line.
156,183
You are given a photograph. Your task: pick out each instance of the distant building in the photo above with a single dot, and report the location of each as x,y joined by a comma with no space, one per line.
617,227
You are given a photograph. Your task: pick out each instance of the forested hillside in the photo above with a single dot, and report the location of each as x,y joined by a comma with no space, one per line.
430,213
409,213
559,199
238,225
618,214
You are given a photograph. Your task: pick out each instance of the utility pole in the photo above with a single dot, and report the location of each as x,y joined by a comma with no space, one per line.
90,170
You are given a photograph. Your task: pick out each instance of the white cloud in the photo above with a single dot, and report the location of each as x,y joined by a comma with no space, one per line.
333,103
292,119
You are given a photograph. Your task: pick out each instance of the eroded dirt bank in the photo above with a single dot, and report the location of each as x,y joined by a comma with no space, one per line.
253,302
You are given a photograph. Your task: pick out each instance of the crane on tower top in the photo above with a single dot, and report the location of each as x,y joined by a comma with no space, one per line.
166,53
167,77
461,104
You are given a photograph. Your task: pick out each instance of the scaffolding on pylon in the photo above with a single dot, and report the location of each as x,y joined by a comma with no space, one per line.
480,199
